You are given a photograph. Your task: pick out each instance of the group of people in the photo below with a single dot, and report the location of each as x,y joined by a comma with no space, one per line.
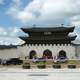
46,58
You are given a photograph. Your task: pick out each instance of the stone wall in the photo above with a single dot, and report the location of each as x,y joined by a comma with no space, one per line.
8,53
22,51
78,51
69,49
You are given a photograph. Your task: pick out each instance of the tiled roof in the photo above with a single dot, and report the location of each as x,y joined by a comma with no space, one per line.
51,29
8,46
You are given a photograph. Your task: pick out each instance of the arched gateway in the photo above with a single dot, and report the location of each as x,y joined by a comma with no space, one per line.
62,54
32,54
47,54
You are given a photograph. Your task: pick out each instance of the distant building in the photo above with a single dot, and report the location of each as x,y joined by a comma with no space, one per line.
49,42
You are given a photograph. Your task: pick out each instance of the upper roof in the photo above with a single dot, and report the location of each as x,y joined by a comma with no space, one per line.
48,29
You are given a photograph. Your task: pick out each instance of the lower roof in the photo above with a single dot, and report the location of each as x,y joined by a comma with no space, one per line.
47,42
67,38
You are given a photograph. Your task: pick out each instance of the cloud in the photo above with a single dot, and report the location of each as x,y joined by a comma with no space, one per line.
16,1
10,31
25,16
3,31
46,12
9,36
13,31
1,2
10,40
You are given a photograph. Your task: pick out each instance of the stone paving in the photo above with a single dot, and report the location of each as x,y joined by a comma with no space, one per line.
39,74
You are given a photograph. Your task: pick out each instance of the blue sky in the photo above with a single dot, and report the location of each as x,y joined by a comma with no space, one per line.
15,14
8,24
6,20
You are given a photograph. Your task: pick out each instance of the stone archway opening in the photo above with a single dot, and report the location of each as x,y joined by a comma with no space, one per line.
32,54
62,54
47,54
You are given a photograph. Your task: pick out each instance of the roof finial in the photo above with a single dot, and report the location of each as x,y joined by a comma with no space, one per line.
34,25
62,25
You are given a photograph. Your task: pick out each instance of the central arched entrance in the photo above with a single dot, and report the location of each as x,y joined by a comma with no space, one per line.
32,54
62,54
47,54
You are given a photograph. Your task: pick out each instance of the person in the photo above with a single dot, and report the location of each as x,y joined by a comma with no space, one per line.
34,59
55,59
4,61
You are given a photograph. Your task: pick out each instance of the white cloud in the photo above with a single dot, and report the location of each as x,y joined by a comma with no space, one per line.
49,11
16,1
75,20
1,1
25,16
9,36
10,31
10,40
3,31
13,31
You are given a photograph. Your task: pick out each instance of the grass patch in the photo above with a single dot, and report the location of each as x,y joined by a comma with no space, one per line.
72,62
41,64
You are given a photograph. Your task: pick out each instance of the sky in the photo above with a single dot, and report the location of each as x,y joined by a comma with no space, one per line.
15,14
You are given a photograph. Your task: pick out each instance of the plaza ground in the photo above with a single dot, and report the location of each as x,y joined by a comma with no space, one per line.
39,74
16,72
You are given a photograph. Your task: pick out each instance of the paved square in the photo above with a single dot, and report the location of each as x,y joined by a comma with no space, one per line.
39,74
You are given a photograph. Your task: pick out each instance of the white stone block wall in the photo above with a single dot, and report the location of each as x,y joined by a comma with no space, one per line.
69,49
78,51
9,53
